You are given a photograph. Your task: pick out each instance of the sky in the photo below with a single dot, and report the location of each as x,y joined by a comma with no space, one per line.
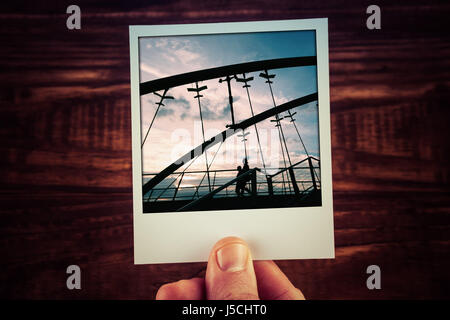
177,127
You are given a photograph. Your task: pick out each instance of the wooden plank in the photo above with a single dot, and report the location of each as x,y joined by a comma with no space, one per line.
65,112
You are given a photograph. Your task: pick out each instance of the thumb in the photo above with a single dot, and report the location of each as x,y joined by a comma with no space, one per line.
230,274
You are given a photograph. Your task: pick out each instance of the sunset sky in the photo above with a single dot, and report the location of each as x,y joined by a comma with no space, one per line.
177,128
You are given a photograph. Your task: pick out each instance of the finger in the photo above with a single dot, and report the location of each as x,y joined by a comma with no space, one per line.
273,283
192,289
230,274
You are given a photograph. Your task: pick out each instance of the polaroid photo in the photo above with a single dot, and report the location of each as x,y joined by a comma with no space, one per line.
231,137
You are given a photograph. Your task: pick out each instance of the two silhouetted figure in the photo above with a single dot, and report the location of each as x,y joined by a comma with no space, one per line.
241,184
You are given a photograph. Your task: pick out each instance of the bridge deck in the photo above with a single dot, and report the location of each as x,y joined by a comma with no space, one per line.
246,202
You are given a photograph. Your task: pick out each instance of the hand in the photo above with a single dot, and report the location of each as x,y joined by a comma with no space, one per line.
231,274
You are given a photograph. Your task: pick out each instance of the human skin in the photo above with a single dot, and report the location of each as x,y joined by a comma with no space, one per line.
231,274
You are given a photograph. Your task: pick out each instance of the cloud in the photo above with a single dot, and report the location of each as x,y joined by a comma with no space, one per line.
183,103
152,71
163,112
161,42
213,110
169,56
226,111
162,57
185,55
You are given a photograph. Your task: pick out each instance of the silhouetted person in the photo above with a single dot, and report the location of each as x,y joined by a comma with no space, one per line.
246,167
239,189
241,184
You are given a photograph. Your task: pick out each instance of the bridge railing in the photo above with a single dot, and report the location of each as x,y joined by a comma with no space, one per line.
289,177
249,175
189,185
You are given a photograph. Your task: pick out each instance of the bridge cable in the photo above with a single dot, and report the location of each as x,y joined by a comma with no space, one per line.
291,116
198,187
284,160
198,96
246,86
160,103
181,173
268,76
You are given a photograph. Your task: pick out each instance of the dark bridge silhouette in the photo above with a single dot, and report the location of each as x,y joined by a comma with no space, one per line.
223,136
208,74
228,73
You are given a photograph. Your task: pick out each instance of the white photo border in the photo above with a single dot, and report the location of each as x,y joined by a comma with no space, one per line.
272,234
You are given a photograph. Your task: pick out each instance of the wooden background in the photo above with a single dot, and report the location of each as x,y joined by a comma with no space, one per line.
65,182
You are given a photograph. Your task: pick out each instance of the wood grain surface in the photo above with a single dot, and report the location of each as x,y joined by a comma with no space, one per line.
65,145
